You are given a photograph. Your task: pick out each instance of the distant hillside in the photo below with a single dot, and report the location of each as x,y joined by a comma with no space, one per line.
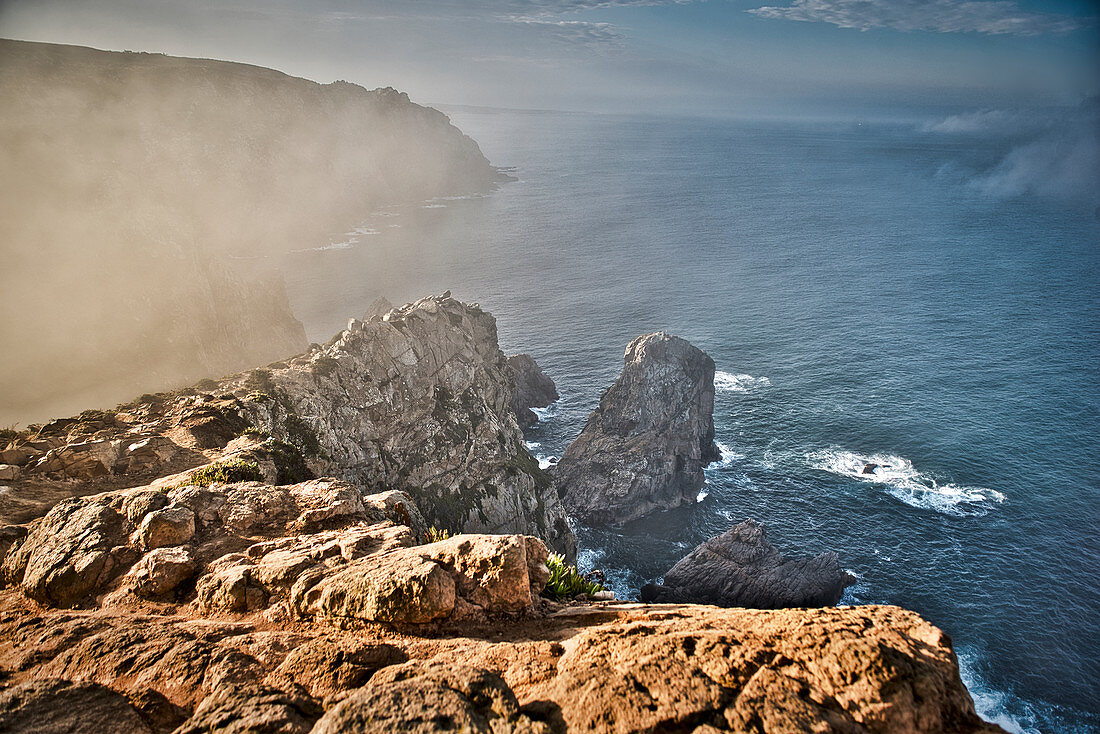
130,182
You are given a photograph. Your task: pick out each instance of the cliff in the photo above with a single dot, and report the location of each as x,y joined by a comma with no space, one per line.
176,565
644,447
136,186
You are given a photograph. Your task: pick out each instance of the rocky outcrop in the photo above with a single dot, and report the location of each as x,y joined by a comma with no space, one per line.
417,400
644,448
606,668
534,389
740,568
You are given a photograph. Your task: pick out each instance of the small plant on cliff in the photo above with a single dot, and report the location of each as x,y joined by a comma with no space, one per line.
565,582
257,397
435,534
226,472
254,431
324,366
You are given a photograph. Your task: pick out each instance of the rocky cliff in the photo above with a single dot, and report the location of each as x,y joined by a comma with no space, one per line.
193,605
134,188
199,578
534,388
419,400
645,446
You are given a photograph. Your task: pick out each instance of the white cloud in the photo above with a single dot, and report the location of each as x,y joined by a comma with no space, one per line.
995,17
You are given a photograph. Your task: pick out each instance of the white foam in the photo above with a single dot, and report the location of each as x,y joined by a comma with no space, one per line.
728,457
729,382
990,703
545,460
545,414
434,206
898,477
703,493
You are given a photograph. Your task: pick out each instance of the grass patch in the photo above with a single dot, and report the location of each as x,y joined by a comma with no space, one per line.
225,472
435,534
565,582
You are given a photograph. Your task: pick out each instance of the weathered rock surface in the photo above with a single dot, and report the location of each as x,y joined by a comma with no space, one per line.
419,400
740,568
644,448
534,389
606,668
61,707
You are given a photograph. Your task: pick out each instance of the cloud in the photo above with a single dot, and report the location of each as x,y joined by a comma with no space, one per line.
574,32
1053,154
994,17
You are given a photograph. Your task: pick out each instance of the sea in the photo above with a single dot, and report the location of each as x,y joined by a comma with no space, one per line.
922,294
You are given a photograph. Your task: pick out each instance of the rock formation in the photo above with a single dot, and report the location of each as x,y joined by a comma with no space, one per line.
740,568
199,578
644,448
419,400
534,389
147,185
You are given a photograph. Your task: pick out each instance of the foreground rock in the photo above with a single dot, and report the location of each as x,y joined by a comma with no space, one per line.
417,399
644,448
740,568
534,389
617,668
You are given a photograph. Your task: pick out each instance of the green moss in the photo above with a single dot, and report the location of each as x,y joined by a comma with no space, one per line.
225,472
254,431
257,397
259,381
565,581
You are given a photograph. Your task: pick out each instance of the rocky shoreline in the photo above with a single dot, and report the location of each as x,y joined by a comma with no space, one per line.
252,555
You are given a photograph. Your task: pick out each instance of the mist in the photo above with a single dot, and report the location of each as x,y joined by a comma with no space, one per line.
145,201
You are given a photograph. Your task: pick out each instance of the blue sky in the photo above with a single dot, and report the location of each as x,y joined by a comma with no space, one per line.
785,57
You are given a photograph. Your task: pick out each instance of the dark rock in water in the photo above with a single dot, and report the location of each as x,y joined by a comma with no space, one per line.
534,389
740,568
870,469
644,448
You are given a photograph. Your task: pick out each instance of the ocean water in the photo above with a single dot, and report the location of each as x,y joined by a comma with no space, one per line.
866,295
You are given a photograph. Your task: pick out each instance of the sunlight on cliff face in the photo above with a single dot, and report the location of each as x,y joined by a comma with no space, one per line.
143,199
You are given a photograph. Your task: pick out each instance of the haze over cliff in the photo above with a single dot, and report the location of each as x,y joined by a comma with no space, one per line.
141,194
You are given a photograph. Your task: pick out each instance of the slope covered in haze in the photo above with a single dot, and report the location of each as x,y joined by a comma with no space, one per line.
141,193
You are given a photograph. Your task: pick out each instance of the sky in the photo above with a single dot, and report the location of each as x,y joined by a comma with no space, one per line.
749,57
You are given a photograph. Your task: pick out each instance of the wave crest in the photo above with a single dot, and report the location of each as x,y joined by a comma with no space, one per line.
729,382
899,478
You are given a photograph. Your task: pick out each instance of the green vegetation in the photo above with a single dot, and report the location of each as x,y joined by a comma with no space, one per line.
254,431
437,534
300,433
290,465
565,582
259,381
207,385
324,366
257,397
225,472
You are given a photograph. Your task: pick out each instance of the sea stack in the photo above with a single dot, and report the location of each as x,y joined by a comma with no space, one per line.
644,448
740,568
534,388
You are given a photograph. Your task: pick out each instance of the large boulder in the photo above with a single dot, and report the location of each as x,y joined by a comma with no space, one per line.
740,568
453,578
60,707
644,448
410,698
534,389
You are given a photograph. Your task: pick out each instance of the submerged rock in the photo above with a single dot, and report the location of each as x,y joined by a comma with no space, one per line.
644,448
534,389
740,568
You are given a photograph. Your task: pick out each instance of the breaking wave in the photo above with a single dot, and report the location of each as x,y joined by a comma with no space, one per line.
898,477
729,382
